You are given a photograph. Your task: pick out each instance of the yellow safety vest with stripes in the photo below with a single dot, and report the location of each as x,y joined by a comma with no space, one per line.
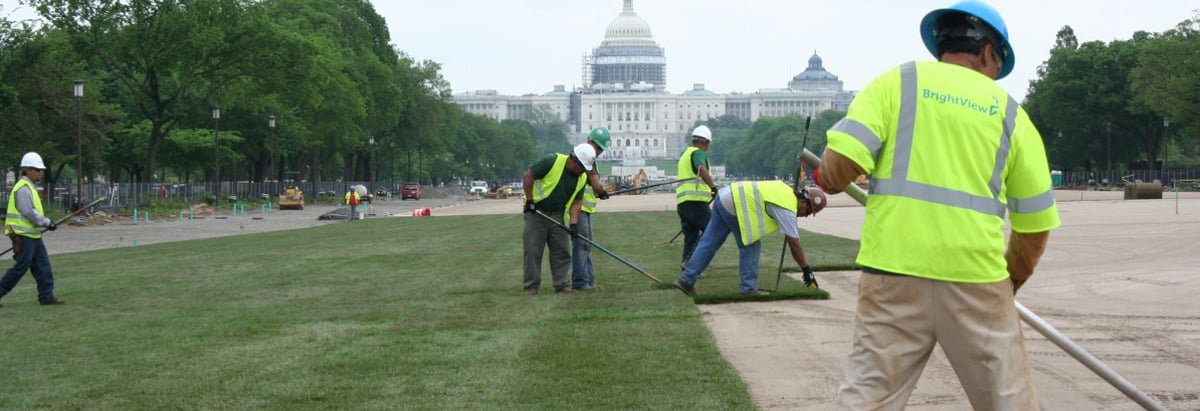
14,221
949,153
544,186
589,197
693,190
749,205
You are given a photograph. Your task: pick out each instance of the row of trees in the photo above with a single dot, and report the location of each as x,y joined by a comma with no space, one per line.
349,106
346,104
1121,105
1125,104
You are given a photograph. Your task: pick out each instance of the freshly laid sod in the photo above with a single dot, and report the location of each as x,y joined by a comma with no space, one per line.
387,313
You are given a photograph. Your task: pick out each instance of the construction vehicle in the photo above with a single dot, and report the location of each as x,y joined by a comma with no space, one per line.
292,197
501,192
615,183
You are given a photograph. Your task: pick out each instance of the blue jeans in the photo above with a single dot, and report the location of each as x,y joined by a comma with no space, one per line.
33,257
581,254
719,227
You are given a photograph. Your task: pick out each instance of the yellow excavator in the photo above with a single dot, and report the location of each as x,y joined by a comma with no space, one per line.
292,197
614,182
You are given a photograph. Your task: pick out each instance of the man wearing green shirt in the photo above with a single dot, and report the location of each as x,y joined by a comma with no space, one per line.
554,187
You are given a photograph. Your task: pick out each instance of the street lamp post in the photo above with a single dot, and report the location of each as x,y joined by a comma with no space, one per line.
1108,130
392,166
371,164
271,128
1060,150
216,113
78,141
1166,147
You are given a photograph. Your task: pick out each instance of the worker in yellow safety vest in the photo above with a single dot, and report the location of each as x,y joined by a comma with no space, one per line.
352,200
583,277
554,187
23,217
692,198
751,210
950,153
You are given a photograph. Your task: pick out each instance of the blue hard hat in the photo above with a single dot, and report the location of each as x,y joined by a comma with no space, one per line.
983,12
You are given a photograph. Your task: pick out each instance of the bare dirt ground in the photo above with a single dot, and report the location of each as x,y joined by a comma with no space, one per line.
1120,278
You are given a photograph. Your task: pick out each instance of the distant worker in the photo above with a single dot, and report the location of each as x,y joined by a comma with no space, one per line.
583,278
751,210
943,175
23,218
553,186
352,200
692,197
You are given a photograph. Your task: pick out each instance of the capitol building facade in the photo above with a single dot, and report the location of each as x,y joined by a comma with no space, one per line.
625,91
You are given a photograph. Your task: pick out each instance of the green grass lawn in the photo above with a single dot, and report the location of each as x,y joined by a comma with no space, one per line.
388,313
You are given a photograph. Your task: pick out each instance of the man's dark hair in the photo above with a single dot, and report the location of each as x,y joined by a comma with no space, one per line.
963,33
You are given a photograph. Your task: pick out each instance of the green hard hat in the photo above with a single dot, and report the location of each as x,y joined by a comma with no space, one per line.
600,136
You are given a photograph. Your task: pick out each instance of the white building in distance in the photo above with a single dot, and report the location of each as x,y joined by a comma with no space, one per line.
625,91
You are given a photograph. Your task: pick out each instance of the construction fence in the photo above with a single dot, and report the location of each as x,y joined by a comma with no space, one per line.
133,195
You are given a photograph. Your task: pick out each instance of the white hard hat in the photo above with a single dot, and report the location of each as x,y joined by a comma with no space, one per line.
32,159
586,155
703,133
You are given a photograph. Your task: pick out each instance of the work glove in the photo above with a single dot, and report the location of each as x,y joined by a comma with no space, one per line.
714,191
52,226
529,207
603,195
574,230
810,280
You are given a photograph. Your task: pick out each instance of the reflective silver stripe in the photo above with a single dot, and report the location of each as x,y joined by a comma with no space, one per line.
864,135
745,205
24,229
693,193
539,194
1010,123
898,184
906,122
589,197
938,195
17,216
1031,205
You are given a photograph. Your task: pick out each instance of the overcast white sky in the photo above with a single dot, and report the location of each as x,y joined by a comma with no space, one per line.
528,46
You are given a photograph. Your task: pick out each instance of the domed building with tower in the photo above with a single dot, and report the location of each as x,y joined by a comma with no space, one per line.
624,89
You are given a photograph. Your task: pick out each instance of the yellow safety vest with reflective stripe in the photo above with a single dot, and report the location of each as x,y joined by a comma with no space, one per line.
693,190
749,205
14,221
589,197
542,187
949,153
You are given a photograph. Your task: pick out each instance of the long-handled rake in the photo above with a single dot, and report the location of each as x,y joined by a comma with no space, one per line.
67,217
598,247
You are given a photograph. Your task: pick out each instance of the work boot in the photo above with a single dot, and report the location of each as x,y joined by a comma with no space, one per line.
532,292
591,287
54,301
687,289
565,290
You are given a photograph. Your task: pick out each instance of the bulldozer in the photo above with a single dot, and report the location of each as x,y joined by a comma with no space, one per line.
292,197
614,182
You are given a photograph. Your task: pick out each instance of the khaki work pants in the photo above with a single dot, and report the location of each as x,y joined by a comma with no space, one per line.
901,318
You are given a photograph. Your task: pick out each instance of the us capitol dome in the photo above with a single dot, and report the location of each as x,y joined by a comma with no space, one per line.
624,89
627,58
